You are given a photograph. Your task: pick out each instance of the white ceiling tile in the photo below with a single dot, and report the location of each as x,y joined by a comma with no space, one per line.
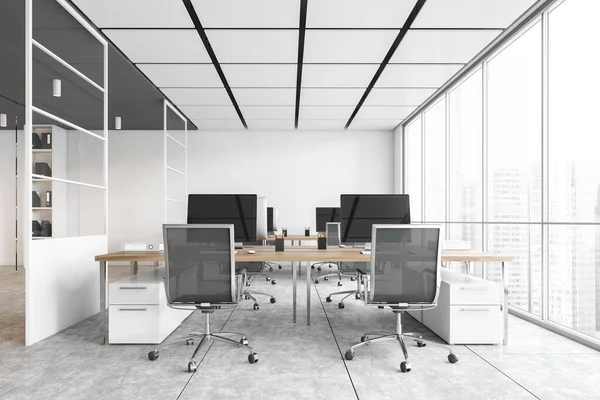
268,112
218,124
254,46
358,13
470,13
442,46
347,46
265,97
338,75
375,124
397,113
326,112
397,97
330,97
417,75
182,75
136,13
198,97
248,13
160,45
270,124
260,75
322,124
209,112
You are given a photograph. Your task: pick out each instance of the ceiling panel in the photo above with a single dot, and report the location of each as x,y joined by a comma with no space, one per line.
267,97
338,75
165,45
124,14
326,112
385,112
218,124
442,46
470,13
182,75
248,13
260,75
334,97
374,124
209,112
254,46
358,13
195,96
268,112
322,124
271,124
347,46
420,75
397,97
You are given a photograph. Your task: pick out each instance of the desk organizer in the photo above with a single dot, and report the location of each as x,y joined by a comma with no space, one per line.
307,232
322,243
279,244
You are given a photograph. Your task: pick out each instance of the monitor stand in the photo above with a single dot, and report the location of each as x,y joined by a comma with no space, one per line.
238,245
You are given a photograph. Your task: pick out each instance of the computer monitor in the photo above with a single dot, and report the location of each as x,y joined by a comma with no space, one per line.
272,219
261,218
325,215
237,209
360,211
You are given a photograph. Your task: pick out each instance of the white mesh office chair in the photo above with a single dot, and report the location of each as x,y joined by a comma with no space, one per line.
200,274
332,230
405,275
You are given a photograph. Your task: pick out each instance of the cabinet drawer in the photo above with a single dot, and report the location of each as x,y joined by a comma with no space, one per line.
133,324
465,293
127,293
475,325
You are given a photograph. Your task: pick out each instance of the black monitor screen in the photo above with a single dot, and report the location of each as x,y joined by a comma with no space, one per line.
236,209
270,219
325,215
361,212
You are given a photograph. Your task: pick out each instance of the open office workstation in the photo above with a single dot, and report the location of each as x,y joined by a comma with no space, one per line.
276,199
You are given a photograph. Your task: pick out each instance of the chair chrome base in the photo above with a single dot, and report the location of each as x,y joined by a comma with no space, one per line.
204,339
399,336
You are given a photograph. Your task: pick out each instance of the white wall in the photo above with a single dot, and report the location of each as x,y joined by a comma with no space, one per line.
296,170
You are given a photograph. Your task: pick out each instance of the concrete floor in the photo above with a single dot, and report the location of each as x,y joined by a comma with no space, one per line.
296,361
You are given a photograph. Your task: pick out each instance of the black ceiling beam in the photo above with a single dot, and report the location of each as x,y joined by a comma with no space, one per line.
301,36
409,21
200,29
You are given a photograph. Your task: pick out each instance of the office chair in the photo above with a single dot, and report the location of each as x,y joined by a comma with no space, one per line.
254,269
405,275
200,274
333,239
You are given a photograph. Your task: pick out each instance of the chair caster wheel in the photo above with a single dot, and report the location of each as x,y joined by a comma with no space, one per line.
256,306
363,338
280,267
349,355
273,300
246,297
357,296
312,267
362,282
316,281
244,341
452,358
325,278
339,283
253,358
352,278
189,342
421,344
328,299
153,355
247,283
273,282
319,269
270,269
380,307
405,366
341,305
192,366
268,279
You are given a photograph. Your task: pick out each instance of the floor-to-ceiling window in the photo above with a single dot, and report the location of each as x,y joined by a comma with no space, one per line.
434,133
413,177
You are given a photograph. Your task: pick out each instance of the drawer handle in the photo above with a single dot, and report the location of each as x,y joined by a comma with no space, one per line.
474,309
133,287
474,287
132,309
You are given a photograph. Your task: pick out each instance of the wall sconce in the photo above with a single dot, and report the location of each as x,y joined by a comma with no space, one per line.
56,88
117,123
3,120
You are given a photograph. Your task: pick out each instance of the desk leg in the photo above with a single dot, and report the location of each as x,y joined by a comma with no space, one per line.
308,283
155,264
294,290
103,315
133,268
505,304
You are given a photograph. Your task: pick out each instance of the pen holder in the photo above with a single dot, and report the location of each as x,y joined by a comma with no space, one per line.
284,233
279,244
307,232
322,243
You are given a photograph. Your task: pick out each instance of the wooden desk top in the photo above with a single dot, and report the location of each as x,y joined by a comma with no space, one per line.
305,253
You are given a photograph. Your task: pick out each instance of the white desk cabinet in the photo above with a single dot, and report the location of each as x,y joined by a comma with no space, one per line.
469,310
138,311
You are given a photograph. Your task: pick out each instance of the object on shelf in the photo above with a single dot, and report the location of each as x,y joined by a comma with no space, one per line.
46,229
47,140
49,198
35,199
42,168
36,141
36,229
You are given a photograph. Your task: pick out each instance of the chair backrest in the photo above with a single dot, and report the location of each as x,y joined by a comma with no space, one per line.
405,265
200,264
332,233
